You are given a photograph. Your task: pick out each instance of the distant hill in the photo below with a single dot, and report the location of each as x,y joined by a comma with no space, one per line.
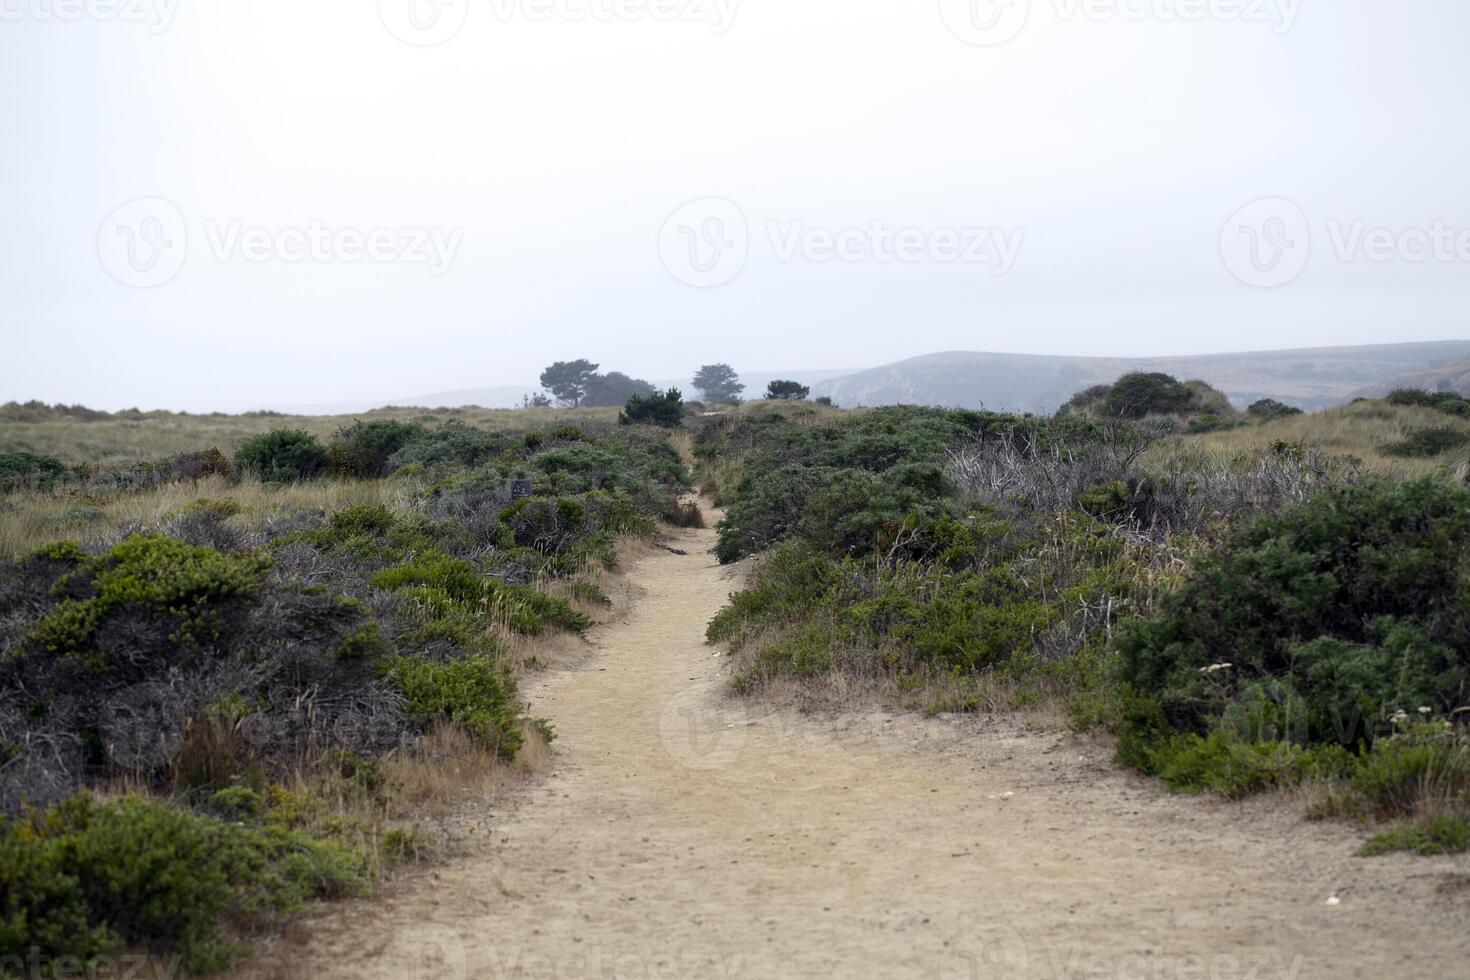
1308,378
1443,377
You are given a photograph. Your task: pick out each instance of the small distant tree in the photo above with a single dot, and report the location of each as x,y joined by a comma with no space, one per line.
614,388
1134,396
718,383
825,401
1269,408
666,410
568,380
790,391
538,400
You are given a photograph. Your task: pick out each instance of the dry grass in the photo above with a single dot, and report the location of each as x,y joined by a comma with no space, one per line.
1359,430
112,441
29,519
448,769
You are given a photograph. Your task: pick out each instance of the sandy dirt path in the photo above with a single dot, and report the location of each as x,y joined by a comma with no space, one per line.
681,833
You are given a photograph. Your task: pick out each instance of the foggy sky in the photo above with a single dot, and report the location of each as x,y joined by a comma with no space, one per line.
334,210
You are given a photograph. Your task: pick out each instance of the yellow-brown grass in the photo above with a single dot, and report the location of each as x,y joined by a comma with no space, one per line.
1360,430
110,441
31,519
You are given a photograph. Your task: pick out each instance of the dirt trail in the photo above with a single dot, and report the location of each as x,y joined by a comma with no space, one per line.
681,834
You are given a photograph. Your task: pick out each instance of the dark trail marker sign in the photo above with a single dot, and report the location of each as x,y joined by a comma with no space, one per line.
519,489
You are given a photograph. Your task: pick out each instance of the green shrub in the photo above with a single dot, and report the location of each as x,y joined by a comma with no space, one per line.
368,519
19,468
365,448
1269,408
1423,762
793,391
804,654
1209,422
474,694
1134,396
190,587
365,642
666,410
1442,833
1426,443
282,455
452,444
1354,605
1449,402
87,877
213,509
441,582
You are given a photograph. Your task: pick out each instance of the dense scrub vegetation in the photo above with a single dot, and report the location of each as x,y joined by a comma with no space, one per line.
1269,618
248,676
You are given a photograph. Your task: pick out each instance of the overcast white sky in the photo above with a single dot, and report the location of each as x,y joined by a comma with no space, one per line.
1103,149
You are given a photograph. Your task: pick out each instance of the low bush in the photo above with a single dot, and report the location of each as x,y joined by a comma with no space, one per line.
1134,396
283,455
1449,402
365,448
87,877
1442,833
212,652
1332,616
452,444
475,694
189,591
1427,443
442,584
1268,409
665,410
29,469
